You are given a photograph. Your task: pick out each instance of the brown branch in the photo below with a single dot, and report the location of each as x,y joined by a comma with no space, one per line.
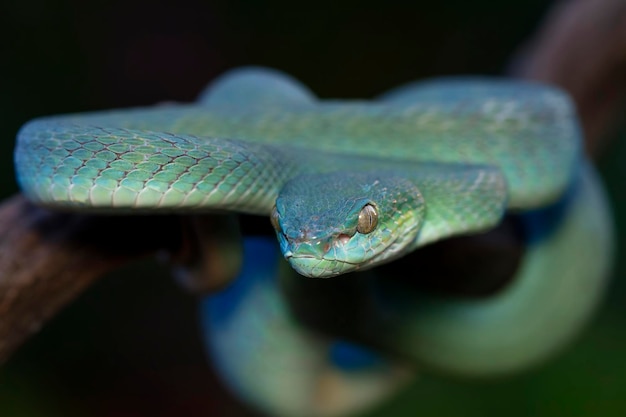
581,46
47,259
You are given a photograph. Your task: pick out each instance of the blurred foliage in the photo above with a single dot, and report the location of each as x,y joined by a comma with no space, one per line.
129,346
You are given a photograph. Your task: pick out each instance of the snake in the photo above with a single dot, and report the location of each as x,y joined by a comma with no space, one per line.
349,186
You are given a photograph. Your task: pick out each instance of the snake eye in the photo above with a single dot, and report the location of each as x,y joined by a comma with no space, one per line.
274,219
368,219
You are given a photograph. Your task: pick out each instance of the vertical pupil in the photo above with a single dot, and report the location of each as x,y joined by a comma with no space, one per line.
366,219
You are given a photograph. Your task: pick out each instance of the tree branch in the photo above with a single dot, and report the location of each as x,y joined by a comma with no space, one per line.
47,259
581,47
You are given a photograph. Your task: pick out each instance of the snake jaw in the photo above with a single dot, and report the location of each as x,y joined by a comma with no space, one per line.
318,258
319,268
343,252
323,258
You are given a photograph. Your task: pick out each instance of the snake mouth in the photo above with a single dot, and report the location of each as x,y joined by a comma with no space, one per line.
323,266
290,255
313,267
328,264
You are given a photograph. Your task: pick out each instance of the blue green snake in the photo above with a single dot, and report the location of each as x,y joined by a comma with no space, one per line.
349,185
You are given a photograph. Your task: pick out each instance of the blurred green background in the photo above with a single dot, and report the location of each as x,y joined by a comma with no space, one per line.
129,347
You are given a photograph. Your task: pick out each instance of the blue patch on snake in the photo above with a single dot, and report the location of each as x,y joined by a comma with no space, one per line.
541,223
261,255
348,356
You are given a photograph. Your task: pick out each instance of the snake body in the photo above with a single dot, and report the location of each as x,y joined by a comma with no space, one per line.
350,185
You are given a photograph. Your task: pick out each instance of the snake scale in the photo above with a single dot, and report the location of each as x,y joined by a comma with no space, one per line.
350,185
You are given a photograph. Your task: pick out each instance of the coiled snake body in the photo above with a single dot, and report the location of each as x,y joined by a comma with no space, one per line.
349,185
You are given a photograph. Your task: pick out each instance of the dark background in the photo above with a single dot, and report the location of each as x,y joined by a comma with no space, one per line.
130,346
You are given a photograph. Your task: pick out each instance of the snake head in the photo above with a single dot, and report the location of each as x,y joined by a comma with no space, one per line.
334,223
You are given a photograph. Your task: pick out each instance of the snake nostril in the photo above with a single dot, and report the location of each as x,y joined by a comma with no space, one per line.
304,235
